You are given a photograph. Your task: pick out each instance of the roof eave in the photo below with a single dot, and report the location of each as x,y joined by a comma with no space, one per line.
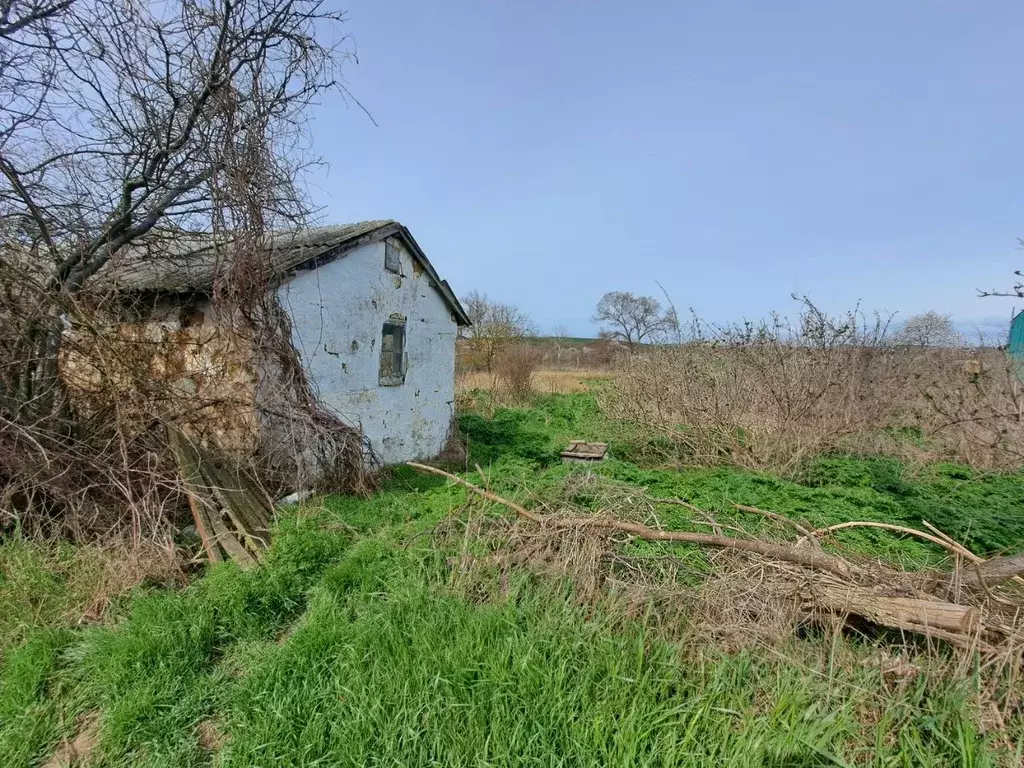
442,287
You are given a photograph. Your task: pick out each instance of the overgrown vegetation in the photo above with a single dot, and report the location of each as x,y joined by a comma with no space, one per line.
362,639
772,394
134,135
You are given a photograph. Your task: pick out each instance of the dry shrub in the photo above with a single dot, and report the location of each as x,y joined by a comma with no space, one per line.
46,584
556,354
514,370
99,573
559,354
977,412
767,395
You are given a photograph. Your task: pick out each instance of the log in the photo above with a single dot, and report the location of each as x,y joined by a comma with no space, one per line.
907,613
996,570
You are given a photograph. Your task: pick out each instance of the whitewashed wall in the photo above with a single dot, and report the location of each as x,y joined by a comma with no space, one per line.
338,312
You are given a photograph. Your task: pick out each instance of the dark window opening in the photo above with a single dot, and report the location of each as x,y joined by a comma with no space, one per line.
392,352
392,258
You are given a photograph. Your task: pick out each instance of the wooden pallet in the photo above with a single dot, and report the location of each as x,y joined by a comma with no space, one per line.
580,450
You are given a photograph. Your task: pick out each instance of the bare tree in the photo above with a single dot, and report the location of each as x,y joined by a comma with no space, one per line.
494,327
124,123
125,126
929,329
634,319
559,333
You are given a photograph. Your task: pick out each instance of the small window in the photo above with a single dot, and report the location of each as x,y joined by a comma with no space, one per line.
392,258
392,352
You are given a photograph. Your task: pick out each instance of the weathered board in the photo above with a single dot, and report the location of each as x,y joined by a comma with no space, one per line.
232,513
580,450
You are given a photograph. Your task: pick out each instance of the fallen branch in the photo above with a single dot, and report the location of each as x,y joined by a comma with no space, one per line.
960,547
876,594
953,548
980,581
708,519
814,559
996,570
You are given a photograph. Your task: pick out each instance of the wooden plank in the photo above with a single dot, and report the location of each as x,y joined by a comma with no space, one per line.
188,467
210,489
243,509
204,526
584,451
231,545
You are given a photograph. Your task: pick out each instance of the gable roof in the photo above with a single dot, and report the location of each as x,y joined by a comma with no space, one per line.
188,263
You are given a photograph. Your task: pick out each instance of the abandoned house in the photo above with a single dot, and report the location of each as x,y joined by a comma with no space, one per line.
372,323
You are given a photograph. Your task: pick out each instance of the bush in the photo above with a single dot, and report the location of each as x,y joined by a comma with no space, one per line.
514,369
770,395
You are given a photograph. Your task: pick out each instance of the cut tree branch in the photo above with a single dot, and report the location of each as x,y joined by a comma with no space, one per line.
814,559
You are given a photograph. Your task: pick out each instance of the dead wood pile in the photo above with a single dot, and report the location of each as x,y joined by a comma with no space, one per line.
977,604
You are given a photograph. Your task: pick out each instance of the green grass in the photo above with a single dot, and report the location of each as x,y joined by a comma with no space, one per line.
383,666
983,511
416,678
349,646
32,702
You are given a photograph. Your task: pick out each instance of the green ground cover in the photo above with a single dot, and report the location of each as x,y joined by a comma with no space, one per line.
351,645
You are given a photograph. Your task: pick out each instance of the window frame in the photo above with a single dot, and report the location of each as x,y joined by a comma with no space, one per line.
395,328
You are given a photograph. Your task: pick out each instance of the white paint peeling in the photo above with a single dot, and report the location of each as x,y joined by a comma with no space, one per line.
338,312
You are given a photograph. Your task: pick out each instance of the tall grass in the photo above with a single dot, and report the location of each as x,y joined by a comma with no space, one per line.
421,679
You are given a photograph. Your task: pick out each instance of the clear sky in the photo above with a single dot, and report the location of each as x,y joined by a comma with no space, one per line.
548,151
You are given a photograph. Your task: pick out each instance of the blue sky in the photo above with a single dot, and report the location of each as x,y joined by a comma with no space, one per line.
548,151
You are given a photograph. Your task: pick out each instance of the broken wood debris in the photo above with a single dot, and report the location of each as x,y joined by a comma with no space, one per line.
232,513
580,450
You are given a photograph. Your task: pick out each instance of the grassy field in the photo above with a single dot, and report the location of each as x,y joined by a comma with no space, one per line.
357,643
547,382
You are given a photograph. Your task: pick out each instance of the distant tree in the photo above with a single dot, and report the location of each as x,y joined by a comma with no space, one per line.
559,332
494,327
929,329
634,319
